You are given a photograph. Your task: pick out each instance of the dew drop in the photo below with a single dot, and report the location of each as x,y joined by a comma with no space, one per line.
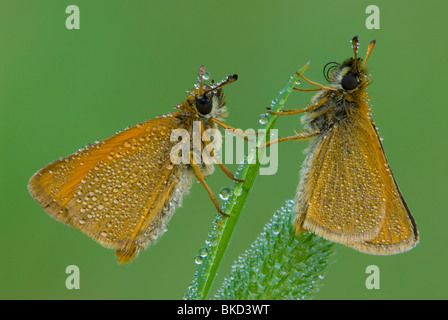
263,118
206,75
198,259
224,193
203,252
276,228
237,191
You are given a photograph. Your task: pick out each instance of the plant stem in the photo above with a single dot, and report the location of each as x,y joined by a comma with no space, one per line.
219,237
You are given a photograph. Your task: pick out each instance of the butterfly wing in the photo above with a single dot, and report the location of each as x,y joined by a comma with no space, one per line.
346,187
343,194
399,231
120,191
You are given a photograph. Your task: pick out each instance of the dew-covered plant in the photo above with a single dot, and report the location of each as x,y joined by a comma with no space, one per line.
278,265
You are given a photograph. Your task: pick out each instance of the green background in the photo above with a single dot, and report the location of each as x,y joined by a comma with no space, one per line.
132,60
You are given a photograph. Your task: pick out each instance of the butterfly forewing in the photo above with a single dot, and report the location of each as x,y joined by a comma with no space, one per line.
399,231
350,195
344,195
113,191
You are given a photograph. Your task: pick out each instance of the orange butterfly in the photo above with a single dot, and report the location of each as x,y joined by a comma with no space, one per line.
123,190
347,192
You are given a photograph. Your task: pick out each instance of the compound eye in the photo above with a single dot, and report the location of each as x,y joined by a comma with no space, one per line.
204,105
349,82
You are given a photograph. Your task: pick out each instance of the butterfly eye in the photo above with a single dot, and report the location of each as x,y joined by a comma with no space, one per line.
349,82
204,105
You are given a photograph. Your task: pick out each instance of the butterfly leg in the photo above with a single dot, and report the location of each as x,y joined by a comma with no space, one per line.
225,169
321,86
309,108
295,111
298,136
201,179
238,132
220,164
